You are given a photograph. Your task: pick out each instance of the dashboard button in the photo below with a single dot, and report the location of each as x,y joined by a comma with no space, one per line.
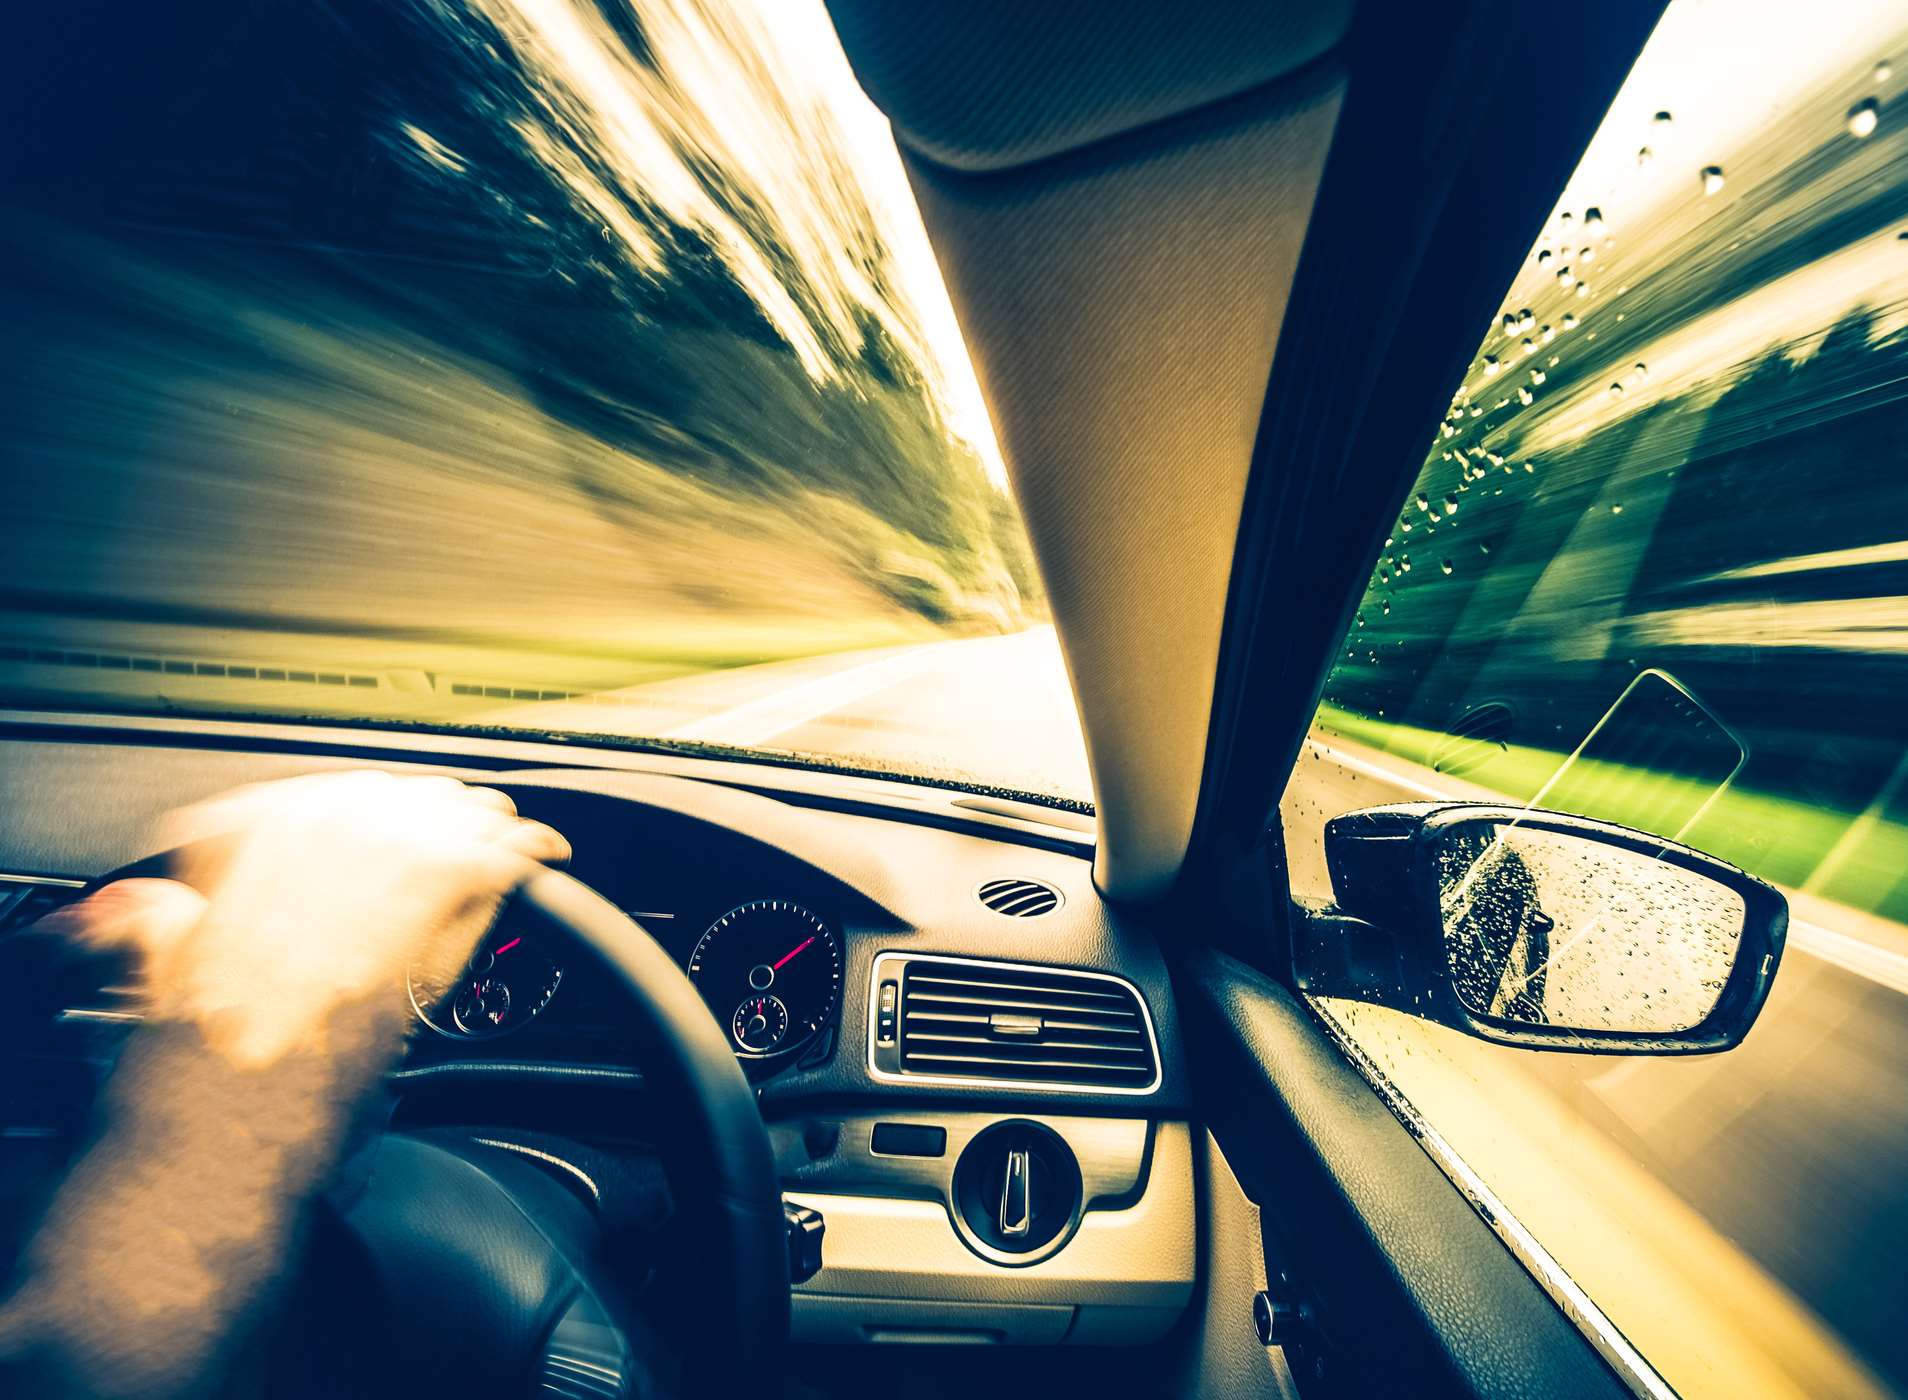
908,1140
885,1001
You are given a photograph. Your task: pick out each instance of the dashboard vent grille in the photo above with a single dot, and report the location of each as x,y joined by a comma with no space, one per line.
1019,899
974,1020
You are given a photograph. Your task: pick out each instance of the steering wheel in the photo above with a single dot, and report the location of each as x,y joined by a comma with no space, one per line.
488,1278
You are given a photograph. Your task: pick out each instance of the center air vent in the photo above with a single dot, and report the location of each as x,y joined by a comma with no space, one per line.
1019,899
1011,1023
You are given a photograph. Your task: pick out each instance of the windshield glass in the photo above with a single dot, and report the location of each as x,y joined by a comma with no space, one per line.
519,363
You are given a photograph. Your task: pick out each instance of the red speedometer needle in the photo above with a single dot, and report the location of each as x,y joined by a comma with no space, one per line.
507,947
777,967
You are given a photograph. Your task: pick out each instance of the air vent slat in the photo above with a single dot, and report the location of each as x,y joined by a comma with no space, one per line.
967,1019
1019,899
996,1065
1017,999
1075,1027
926,980
937,1038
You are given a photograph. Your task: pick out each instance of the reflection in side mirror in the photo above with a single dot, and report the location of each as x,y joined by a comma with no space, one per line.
1551,928
1541,930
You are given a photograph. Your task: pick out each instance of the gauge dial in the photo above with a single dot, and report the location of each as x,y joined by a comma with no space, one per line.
483,1006
766,965
759,1024
506,983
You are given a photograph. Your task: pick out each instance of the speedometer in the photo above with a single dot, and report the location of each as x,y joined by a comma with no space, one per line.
771,973
506,983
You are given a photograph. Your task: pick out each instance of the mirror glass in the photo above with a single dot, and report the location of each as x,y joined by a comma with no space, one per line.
1558,929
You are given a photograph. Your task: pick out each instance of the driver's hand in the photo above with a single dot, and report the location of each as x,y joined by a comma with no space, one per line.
319,891
275,979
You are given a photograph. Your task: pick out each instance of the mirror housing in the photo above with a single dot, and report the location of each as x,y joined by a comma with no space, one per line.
1414,883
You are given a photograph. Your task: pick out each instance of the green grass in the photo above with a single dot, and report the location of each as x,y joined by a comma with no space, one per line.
1783,839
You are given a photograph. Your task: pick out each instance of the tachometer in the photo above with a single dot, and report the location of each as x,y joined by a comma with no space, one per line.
504,985
771,973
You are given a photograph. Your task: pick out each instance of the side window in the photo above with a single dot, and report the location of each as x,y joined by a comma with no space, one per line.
1674,485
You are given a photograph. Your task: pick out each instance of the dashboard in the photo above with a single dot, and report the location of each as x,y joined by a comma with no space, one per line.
768,969
912,1030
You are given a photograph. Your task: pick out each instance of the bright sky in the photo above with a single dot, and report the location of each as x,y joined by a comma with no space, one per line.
802,29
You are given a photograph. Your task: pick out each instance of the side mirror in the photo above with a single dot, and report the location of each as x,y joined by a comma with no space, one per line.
1541,930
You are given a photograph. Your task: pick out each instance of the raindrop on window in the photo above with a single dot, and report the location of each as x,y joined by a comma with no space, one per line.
1570,320
1884,71
1536,376
1424,503
1583,289
1546,334
1526,321
1525,397
1564,279
1616,391
1863,116
1404,563
1510,323
1616,510
1491,366
1446,566
1712,179
1450,505
1564,221
1530,466
1661,119
1543,257
1641,370
1553,360
1645,156
1483,548
1586,255
1592,219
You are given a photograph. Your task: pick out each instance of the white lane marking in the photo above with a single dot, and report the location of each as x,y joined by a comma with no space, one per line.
1879,965
780,711
1383,775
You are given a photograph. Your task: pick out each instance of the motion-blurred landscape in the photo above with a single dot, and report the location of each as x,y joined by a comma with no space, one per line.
402,359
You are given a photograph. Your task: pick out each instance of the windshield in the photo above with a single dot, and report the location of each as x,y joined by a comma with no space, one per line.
520,363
